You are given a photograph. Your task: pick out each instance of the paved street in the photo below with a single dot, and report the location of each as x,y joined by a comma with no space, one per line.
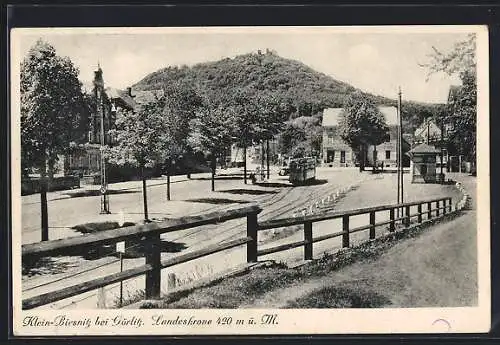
276,202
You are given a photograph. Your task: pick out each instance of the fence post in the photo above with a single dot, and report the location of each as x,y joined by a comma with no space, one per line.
419,210
407,216
171,282
252,233
444,206
308,238
429,210
449,205
372,227
345,229
437,208
153,258
392,226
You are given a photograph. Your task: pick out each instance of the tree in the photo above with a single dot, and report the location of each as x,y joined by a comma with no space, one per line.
180,103
246,117
362,124
139,137
51,108
301,137
461,113
213,131
272,114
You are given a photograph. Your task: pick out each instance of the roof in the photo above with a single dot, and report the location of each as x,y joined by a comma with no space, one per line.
331,116
390,114
424,148
452,93
428,125
113,93
146,96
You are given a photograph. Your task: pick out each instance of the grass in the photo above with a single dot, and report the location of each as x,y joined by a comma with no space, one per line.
234,291
245,290
340,297
199,272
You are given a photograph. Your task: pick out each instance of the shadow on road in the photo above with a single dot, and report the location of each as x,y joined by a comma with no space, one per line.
288,184
273,184
40,266
134,249
249,191
229,177
96,192
57,264
315,182
218,201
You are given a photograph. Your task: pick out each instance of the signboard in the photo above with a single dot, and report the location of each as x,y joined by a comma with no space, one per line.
120,247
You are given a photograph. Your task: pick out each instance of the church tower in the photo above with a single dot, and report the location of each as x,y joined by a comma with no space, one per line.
97,114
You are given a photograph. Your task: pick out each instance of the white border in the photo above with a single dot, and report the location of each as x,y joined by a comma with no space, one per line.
303,321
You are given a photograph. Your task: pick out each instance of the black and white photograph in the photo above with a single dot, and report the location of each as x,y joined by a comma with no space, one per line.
250,180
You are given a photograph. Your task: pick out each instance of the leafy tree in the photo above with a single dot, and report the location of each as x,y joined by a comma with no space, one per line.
301,137
180,103
272,114
140,137
245,120
290,137
52,106
362,124
461,114
213,131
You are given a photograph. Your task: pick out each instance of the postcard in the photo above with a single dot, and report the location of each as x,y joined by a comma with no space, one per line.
250,180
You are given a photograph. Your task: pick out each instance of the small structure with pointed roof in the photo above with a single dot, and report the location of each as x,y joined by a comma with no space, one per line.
423,163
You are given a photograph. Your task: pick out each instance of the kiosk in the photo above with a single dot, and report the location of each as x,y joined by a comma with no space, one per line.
423,164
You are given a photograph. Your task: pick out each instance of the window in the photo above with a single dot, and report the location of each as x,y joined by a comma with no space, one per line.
330,156
388,154
342,156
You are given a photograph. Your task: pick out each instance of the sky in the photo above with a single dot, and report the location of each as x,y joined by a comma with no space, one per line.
375,60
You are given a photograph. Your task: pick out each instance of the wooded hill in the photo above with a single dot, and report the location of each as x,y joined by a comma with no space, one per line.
306,90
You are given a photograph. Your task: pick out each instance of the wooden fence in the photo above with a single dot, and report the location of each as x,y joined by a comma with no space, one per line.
150,234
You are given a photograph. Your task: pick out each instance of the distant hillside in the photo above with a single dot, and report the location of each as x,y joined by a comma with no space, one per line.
308,91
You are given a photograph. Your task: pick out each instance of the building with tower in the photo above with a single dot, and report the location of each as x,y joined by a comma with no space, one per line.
86,161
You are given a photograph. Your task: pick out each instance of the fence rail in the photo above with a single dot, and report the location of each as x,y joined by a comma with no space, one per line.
150,234
442,206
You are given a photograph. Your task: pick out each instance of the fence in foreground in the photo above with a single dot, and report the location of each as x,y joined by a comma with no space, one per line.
150,234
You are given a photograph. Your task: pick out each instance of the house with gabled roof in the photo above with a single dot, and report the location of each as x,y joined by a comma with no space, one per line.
337,153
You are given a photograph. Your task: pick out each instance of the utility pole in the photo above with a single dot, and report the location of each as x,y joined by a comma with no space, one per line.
441,147
100,108
428,131
400,149
267,157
